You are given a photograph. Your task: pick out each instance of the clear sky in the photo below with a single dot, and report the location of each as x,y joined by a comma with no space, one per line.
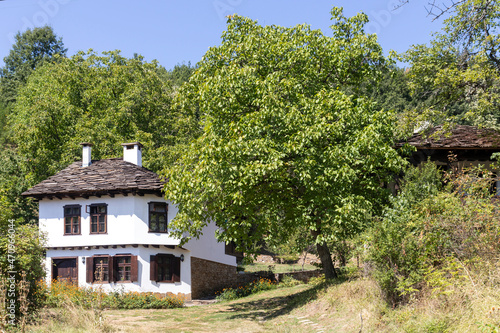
175,31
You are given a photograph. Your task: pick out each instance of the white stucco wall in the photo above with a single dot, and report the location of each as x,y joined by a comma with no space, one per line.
144,283
127,223
206,247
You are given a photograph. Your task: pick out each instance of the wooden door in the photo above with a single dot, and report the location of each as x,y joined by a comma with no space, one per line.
65,270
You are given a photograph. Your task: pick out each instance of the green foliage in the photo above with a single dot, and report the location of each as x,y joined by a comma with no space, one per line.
12,183
21,252
288,281
459,71
32,49
228,294
430,239
179,74
59,292
104,99
283,148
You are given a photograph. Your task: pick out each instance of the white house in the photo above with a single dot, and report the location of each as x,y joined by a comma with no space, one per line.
107,223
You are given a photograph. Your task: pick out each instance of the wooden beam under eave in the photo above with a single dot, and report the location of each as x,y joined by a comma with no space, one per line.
145,245
156,246
113,246
112,195
59,197
135,245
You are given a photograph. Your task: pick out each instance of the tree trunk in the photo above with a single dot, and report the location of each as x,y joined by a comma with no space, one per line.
326,260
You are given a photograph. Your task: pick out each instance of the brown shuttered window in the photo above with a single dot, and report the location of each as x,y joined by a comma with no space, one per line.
101,269
119,268
126,268
72,219
165,268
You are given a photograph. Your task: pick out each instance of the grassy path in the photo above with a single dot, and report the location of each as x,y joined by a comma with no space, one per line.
271,311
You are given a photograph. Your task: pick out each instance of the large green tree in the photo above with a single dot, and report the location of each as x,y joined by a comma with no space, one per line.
459,72
284,148
104,99
32,49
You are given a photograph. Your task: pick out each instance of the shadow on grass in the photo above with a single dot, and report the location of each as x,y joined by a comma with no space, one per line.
270,308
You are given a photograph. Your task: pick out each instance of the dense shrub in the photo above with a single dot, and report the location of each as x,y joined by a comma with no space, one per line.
21,257
253,287
431,238
59,292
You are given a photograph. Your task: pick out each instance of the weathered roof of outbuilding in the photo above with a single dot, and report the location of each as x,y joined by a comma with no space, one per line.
102,177
460,137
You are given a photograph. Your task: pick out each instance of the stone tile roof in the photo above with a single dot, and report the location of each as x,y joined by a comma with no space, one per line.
461,137
102,177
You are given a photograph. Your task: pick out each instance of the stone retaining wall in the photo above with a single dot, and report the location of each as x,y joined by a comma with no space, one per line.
207,277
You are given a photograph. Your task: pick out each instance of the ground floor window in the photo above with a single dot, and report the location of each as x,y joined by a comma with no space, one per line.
165,268
118,268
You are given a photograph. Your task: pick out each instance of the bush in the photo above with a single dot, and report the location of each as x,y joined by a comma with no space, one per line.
431,238
60,292
289,281
21,257
228,294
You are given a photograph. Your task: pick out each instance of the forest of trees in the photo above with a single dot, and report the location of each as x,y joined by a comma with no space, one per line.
278,133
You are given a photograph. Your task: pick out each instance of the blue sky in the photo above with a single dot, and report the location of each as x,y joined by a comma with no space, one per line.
173,32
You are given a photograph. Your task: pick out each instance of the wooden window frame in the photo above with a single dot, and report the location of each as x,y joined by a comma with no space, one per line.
134,268
72,223
112,268
153,213
98,214
175,266
91,275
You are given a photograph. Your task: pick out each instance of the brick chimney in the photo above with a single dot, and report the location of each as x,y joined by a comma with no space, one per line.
86,154
132,152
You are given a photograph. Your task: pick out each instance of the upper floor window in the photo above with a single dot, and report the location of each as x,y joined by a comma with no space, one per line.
98,219
158,216
72,219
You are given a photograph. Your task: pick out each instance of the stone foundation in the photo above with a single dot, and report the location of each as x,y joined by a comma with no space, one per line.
207,277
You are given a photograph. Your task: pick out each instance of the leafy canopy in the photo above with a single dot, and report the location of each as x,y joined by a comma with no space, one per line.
104,99
32,49
283,147
460,71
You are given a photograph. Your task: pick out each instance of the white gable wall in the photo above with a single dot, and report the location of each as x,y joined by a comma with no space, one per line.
127,224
